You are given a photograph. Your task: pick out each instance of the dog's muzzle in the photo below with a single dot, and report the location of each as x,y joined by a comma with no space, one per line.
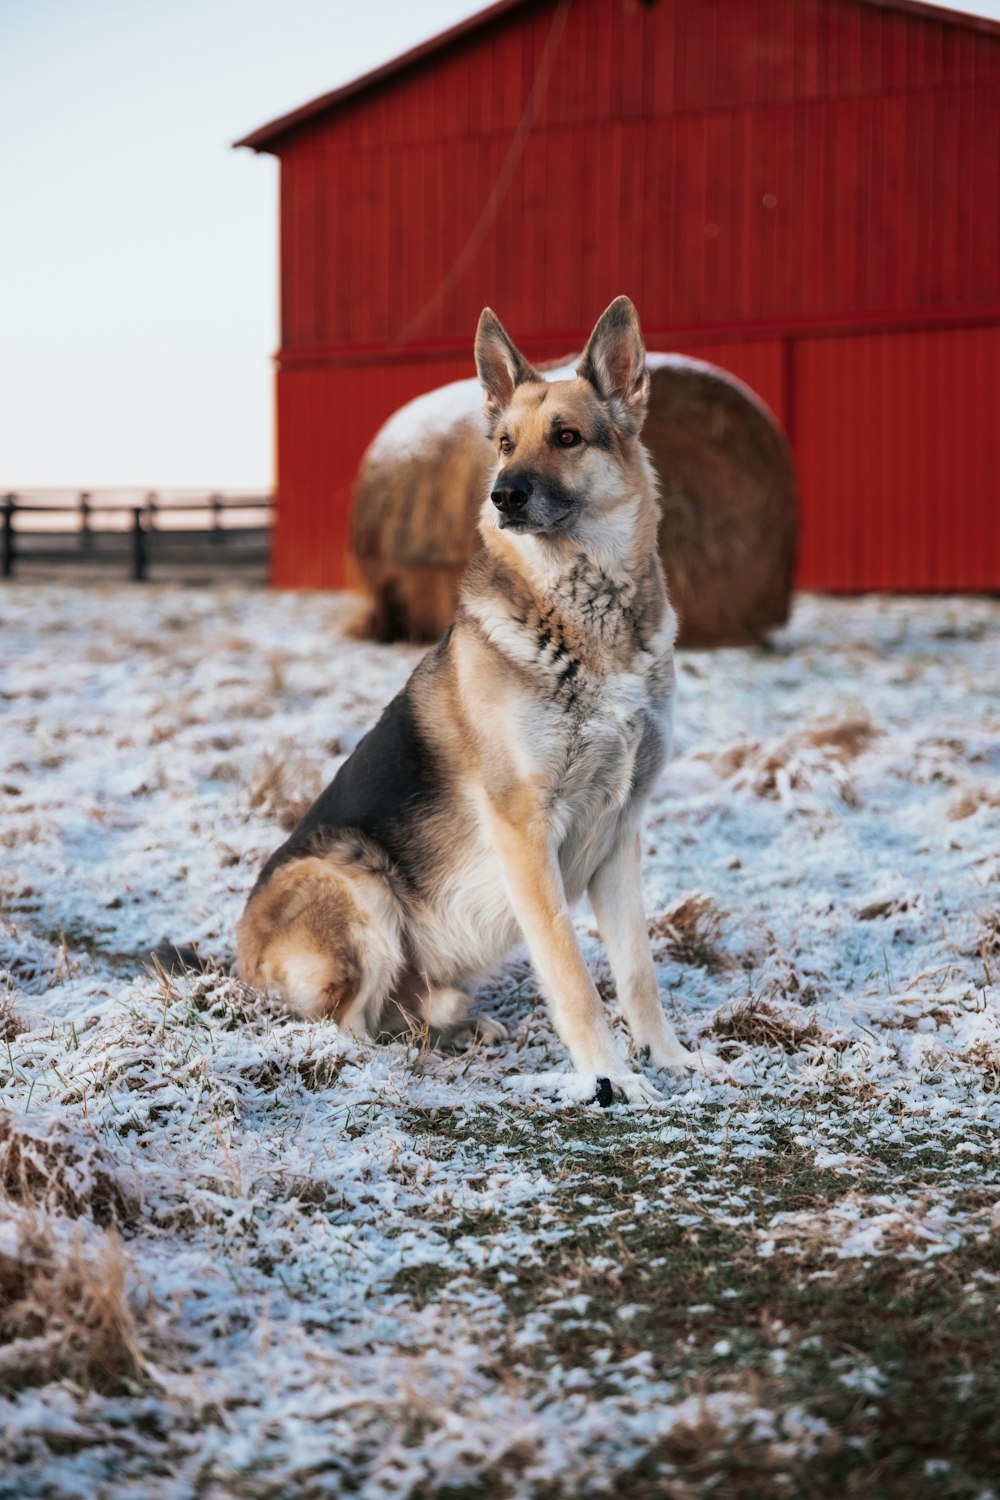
526,503
510,502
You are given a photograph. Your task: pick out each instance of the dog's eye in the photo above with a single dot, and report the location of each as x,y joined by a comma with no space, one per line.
506,446
567,437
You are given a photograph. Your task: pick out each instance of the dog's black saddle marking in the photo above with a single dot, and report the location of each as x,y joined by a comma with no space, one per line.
390,774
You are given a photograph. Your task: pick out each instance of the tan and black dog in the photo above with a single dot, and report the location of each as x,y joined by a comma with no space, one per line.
508,777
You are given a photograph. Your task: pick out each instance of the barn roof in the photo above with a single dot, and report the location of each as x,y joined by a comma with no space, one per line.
267,137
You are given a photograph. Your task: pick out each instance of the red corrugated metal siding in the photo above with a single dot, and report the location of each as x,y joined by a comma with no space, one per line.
753,172
620,58
812,211
326,419
899,458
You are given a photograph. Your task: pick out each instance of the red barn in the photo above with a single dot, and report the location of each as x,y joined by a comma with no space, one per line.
806,192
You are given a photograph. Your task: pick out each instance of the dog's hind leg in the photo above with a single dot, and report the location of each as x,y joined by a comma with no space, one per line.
326,939
318,979
447,1011
615,892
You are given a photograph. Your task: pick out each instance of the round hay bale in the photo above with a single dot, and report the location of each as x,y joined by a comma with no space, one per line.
416,502
728,500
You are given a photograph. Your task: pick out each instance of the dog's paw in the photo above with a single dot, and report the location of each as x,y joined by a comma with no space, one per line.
674,1058
625,1088
488,1029
478,1031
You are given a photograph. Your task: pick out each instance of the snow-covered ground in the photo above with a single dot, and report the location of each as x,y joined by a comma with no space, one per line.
243,1255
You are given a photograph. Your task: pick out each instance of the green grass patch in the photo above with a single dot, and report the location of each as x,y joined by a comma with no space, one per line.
648,1249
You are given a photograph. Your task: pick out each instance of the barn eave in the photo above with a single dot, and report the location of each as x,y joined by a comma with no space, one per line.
271,136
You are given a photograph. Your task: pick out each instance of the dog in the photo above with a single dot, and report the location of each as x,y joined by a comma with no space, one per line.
508,777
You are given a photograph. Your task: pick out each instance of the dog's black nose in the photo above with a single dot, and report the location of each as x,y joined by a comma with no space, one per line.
509,501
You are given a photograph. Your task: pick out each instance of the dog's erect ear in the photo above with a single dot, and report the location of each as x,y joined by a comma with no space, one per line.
501,365
614,362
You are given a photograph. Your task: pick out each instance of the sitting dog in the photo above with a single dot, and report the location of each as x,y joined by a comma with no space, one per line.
509,775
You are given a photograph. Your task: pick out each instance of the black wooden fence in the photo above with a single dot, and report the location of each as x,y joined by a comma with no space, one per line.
196,532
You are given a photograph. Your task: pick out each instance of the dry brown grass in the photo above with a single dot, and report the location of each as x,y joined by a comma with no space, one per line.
906,1234
968,803
20,834
65,1307
11,1024
989,937
31,963
761,1025
986,1057
62,1167
839,741
691,930
720,1445
887,908
941,1015
226,770
844,739
284,784
986,945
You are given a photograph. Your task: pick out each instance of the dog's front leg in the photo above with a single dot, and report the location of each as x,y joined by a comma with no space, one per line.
615,892
534,885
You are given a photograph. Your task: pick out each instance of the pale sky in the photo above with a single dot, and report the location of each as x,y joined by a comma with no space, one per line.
138,251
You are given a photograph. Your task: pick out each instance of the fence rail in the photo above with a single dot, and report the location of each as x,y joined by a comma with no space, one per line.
105,529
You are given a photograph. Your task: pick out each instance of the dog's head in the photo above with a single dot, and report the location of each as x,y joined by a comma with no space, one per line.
567,450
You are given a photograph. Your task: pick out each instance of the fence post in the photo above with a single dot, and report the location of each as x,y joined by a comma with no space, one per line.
86,539
138,545
8,535
215,501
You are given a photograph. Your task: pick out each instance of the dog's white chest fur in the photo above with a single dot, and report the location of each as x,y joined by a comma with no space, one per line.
601,751
594,733
607,752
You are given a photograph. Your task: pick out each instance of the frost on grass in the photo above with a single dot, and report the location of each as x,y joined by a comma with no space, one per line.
10,1022
29,964
57,1163
759,1024
284,784
862,1226
793,767
244,1255
691,930
66,1310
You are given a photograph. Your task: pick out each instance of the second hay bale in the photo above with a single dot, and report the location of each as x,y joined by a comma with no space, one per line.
728,501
